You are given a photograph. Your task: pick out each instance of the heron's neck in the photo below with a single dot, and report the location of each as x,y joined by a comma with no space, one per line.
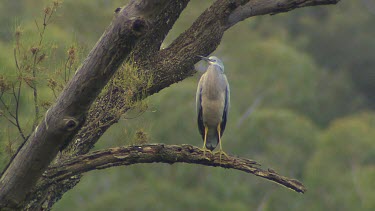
213,73
214,83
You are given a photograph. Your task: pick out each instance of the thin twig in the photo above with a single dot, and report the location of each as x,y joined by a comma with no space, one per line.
35,92
65,66
37,26
7,108
54,93
9,120
15,59
17,98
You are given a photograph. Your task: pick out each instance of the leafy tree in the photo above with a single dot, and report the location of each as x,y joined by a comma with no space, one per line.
348,44
341,170
341,50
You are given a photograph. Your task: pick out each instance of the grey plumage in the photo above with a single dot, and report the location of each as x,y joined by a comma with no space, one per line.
212,103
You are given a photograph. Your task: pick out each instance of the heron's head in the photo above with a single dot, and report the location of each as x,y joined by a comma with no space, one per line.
213,60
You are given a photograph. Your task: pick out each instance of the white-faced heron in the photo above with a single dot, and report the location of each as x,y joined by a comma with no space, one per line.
212,99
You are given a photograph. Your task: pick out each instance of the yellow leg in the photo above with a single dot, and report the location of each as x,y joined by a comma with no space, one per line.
221,149
205,141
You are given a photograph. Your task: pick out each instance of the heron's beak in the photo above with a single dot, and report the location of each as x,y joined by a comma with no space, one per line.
204,58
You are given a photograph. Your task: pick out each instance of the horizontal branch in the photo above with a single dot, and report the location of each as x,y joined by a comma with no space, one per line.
161,153
263,7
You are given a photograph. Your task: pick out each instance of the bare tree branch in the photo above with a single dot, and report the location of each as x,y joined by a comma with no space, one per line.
263,7
160,153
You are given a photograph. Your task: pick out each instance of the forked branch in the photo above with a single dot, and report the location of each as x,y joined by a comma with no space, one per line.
160,153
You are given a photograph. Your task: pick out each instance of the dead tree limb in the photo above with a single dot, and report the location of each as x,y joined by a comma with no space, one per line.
159,153
263,7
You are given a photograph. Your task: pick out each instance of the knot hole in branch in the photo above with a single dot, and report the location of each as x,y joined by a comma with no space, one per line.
70,124
139,26
118,9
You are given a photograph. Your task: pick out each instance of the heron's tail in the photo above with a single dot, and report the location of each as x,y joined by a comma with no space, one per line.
212,140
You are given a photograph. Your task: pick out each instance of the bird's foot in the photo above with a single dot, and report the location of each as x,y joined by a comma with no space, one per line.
204,152
221,152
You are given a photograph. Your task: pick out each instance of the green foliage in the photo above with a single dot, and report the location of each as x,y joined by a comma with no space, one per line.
347,42
282,75
341,171
278,73
278,137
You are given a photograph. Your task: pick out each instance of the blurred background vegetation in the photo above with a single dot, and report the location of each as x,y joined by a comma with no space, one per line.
302,103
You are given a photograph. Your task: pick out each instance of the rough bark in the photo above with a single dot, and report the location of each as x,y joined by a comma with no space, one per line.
263,7
159,153
137,30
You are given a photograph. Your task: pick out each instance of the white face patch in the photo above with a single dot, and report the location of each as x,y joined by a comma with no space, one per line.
216,61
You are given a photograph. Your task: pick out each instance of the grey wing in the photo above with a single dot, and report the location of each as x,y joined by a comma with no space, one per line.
226,107
198,100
